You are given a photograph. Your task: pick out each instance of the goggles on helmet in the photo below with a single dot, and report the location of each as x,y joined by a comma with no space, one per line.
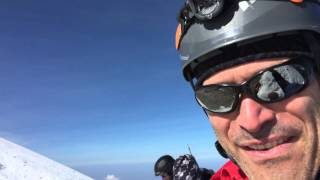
270,85
205,9
202,10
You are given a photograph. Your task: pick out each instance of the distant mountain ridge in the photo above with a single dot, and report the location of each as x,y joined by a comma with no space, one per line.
19,163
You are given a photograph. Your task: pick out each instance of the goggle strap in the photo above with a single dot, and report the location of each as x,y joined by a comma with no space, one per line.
192,6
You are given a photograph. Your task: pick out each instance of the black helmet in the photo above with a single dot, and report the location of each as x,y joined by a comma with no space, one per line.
164,165
212,34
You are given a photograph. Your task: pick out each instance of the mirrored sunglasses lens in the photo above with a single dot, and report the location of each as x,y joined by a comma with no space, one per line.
278,83
217,98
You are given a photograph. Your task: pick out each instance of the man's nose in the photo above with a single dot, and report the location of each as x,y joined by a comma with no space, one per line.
253,115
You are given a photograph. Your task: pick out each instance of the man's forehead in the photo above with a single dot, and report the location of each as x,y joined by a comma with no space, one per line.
240,73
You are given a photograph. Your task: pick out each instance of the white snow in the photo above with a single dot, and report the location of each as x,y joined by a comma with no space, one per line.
19,163
111,177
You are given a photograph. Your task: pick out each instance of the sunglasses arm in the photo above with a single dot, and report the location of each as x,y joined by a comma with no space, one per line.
194,88
218,146
314,45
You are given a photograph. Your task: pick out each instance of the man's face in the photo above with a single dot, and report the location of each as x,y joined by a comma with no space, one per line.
270,141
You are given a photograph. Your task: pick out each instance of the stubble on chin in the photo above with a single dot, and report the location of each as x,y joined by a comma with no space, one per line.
314,161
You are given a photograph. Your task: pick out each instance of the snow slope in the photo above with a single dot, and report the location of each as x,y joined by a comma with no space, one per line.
19,163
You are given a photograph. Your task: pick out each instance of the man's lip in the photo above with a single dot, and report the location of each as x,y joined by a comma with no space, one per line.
265,142
258,151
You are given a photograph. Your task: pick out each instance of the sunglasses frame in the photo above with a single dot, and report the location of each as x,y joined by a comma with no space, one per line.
244,88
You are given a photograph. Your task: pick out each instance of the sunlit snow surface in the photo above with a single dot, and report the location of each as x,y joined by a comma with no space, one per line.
19,163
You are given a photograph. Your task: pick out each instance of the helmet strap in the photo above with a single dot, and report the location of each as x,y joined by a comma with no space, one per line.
223,153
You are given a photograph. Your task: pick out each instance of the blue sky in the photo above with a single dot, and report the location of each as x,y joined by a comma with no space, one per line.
99,82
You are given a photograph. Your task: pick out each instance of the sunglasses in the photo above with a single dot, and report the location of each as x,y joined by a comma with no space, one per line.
268,86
